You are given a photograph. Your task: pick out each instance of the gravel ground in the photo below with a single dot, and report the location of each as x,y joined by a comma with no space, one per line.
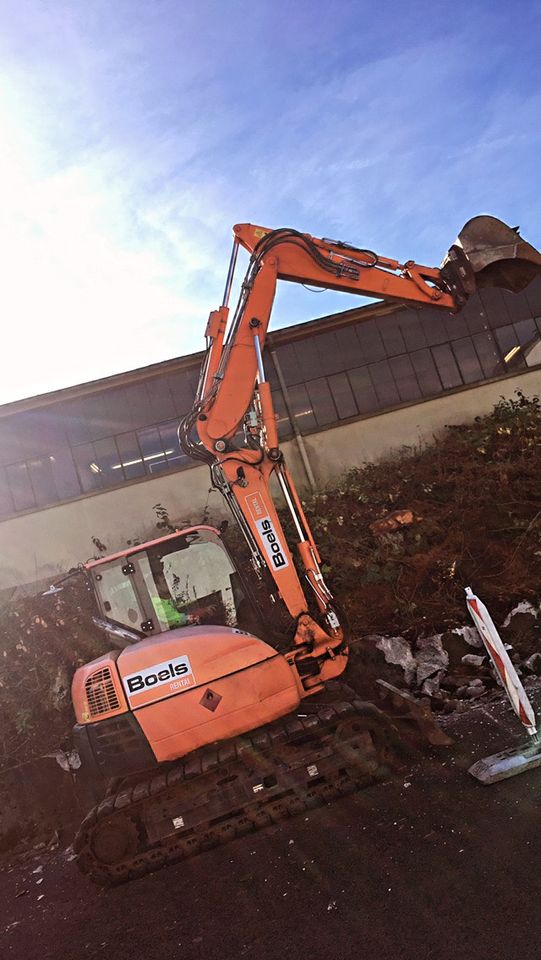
431,866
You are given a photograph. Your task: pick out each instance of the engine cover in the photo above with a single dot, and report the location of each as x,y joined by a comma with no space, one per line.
195,685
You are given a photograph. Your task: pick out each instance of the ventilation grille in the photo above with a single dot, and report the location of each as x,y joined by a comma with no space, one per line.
100,693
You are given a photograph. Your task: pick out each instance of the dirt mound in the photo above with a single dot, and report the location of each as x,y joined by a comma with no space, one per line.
402,539
474,504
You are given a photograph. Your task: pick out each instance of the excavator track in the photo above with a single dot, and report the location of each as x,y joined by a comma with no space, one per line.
232,788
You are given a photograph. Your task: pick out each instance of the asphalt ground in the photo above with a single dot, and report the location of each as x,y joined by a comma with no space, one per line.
429,866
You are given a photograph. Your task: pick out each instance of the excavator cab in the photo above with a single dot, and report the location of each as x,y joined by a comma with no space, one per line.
488,253
183,579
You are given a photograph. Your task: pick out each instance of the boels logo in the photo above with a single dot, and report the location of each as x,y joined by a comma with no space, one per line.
265,527
175,674
272,544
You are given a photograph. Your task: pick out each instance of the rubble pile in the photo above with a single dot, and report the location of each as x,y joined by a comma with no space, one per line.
451,668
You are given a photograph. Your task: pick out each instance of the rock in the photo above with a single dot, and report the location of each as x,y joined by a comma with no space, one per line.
450,705
462,691
470,635
472,660
431,658
533,663
522,607
393,521
69,760
455,647
431,686
452,683
473,693
396,650
476,683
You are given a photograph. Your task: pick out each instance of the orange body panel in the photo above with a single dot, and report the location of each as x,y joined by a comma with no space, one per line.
193,686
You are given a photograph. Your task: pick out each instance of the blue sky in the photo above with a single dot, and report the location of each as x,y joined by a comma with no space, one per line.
134,134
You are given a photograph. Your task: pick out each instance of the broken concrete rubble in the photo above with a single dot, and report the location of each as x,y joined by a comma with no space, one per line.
473,693
431,686
430,658
442,667
523,607
470,635
393,521
397,650
533,663
471,660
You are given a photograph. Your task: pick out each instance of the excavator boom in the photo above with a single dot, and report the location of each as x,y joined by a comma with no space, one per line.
486,253
233,388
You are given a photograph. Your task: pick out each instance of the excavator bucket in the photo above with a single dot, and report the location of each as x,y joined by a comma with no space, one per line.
488,253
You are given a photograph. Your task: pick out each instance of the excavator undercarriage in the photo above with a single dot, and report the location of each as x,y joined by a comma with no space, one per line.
220,792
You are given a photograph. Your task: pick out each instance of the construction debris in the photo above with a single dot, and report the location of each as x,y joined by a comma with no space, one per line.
471,660
397,651
393,521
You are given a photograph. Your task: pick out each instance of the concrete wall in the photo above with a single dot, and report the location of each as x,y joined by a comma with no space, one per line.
45,543
41,545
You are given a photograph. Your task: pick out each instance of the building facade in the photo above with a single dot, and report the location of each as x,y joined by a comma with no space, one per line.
92,462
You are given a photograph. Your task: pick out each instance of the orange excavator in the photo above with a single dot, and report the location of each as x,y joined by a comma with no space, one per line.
209,717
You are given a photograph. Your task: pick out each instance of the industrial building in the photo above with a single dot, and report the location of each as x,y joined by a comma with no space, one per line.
90,463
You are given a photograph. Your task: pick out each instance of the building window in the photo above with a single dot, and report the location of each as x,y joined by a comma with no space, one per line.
42,480
6,500
301,408
405,379
425,370
322,402
370,341
130,458
363,390
342,394
88,468
65,475
447,368
18,479
384,384
283,421
152,449
169,438
467,359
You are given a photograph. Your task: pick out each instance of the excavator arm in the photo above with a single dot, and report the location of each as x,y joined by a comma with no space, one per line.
234,391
